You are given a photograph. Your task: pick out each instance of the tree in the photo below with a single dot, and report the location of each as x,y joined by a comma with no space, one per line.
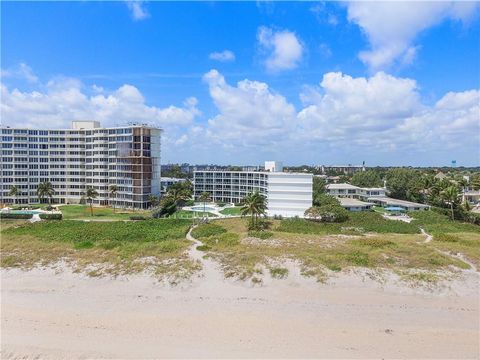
325,199
91,194
403,184
254,204
167,207
475,182
369,178
153,200
318,187
450,197
14,192
327,213
179,192
463,183
175,172
45,190
204,197
113,193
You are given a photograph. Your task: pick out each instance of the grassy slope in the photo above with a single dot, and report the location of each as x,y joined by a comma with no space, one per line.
389,244
120,247
232,211
82,212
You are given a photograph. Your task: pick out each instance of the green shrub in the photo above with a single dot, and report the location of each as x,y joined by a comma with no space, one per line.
373,242
203,248
358,222
206,230
446,238
278,272
137,217
258,225
224,239
84,244
56,216
4,215
260,234
327,213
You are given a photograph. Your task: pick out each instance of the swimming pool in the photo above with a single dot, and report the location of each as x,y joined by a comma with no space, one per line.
23,212
201,208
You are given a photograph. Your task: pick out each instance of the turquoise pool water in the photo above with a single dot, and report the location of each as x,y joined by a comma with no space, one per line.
200,208
24,212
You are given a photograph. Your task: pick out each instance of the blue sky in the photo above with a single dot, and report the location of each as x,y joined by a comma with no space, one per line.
405,90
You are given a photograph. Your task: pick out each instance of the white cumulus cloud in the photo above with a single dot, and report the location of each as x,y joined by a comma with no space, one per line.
21,71
392,27
250,113
223,56
64,100
284,49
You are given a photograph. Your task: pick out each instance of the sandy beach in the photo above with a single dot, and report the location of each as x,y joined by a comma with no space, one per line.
47,313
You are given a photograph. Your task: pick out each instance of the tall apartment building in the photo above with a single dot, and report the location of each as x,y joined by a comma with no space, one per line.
84,156
288,194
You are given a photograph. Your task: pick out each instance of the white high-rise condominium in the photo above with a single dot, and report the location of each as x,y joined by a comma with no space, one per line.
84,156
288,194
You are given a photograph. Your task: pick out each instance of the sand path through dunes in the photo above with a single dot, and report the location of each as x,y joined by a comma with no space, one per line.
66,315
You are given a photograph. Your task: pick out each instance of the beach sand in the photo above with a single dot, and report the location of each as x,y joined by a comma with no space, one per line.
58,314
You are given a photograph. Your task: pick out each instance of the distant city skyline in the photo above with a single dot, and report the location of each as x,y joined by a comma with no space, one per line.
239,83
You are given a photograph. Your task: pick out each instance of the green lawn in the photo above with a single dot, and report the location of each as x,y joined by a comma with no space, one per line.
111,247
82,212
237,211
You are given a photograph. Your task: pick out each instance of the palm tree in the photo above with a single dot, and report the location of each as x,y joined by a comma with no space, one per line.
113,193
254,204
14,191
153,200
179,192
204,197
91,194
463,183
45,190
450,196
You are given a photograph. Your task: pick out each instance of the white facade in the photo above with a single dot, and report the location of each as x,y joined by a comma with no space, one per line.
84,156
288,194
355,192
373,196
273,166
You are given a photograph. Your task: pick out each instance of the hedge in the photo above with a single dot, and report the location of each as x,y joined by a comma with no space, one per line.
137,217
5,215
51,216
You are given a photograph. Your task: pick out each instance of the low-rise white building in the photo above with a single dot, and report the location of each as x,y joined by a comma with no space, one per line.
288,194
372,196
354,204
351,191
166,182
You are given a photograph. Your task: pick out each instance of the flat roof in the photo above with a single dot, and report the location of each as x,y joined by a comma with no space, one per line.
353,202
390,201
341,186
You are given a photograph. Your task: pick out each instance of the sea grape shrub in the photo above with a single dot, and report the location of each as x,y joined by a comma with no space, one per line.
327,213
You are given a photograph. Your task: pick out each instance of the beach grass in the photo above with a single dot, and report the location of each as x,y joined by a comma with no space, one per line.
367,242
113,248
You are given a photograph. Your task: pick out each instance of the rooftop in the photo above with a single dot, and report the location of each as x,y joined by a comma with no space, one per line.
390,201
353,202
341,186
